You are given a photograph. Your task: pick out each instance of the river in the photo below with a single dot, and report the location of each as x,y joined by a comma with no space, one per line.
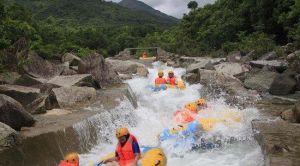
155,112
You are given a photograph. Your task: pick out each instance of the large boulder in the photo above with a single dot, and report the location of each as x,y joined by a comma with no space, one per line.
230,68
41,68
296,112
297,77
260,81
8,137
192,78
268,56
278,65
24,95
9,77
73,80
235,91
234,56
294,61
192,68
27,80
128,67
283,84
69,97
101,71
13,114
70,58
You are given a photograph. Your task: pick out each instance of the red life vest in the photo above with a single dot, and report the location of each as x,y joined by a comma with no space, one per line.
159,81
65,163
125,153
172,81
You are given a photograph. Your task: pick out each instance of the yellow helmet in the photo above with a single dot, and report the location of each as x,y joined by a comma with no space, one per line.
154,157
72,158
191,106
171,72
160,73
201,102
122,132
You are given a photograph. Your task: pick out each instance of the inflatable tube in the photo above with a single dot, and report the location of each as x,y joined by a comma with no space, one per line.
148,58
150,157
180,85
158,88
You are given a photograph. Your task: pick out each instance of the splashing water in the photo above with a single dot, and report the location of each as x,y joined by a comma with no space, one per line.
155,113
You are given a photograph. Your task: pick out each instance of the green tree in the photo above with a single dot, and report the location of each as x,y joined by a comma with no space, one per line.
192,5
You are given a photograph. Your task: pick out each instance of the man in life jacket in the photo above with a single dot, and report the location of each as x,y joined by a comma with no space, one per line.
171,78
128,151
160,80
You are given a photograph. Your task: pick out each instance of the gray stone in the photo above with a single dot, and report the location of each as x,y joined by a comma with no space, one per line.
234,56
280,66
297,77
8,137
101,71
13,114
72,59
231,68
260,81
9,77
69,97
192,78
269,56
67,72
26,80
296,111
128,67
193,68
73,80
24,95
41,68
209,66
283,84
288,115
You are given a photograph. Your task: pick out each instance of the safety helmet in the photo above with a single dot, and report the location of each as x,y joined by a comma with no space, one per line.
122,132
171,72
72,158
201,102
191,106
160,73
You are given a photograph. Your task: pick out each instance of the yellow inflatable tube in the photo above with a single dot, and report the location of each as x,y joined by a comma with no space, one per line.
154,157
180,85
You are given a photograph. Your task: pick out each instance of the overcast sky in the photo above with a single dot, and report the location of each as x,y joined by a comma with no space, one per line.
174,8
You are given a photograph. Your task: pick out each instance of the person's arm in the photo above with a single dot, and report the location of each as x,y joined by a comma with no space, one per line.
136,151
115,158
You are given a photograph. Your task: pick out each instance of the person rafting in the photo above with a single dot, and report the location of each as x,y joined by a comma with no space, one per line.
171,80
201,103
160,80
127,152
71,159
145,55
186,115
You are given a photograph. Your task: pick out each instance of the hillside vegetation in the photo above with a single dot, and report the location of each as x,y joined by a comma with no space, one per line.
228,25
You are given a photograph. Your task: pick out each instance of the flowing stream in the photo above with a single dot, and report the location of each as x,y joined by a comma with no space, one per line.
155,113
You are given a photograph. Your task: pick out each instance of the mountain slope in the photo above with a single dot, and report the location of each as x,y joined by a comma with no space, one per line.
93,12
141,6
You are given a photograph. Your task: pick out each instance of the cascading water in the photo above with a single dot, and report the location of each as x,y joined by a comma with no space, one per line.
155,113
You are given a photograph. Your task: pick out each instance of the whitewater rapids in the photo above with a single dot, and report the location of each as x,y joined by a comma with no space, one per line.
155,113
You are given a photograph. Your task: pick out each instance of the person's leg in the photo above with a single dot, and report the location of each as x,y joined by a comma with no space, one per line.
114,163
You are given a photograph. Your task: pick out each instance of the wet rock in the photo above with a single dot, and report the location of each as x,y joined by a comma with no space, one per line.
13,114
283,84
24,95
73,80
260,81
128,67
279,141
231,68
40,68
280,66
296,112
9,77
26,80
8,137
101,71
69,97
269,56
72,59
234,56
192,78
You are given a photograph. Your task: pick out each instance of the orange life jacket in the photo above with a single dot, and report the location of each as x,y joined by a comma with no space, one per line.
184,116
125,153
171,81
159,81
65,163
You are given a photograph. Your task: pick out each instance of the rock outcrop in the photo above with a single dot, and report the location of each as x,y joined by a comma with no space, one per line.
101,71
13,114
73,80
260,81
128,67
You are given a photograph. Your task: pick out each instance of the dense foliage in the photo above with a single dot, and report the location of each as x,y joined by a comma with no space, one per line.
229,25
